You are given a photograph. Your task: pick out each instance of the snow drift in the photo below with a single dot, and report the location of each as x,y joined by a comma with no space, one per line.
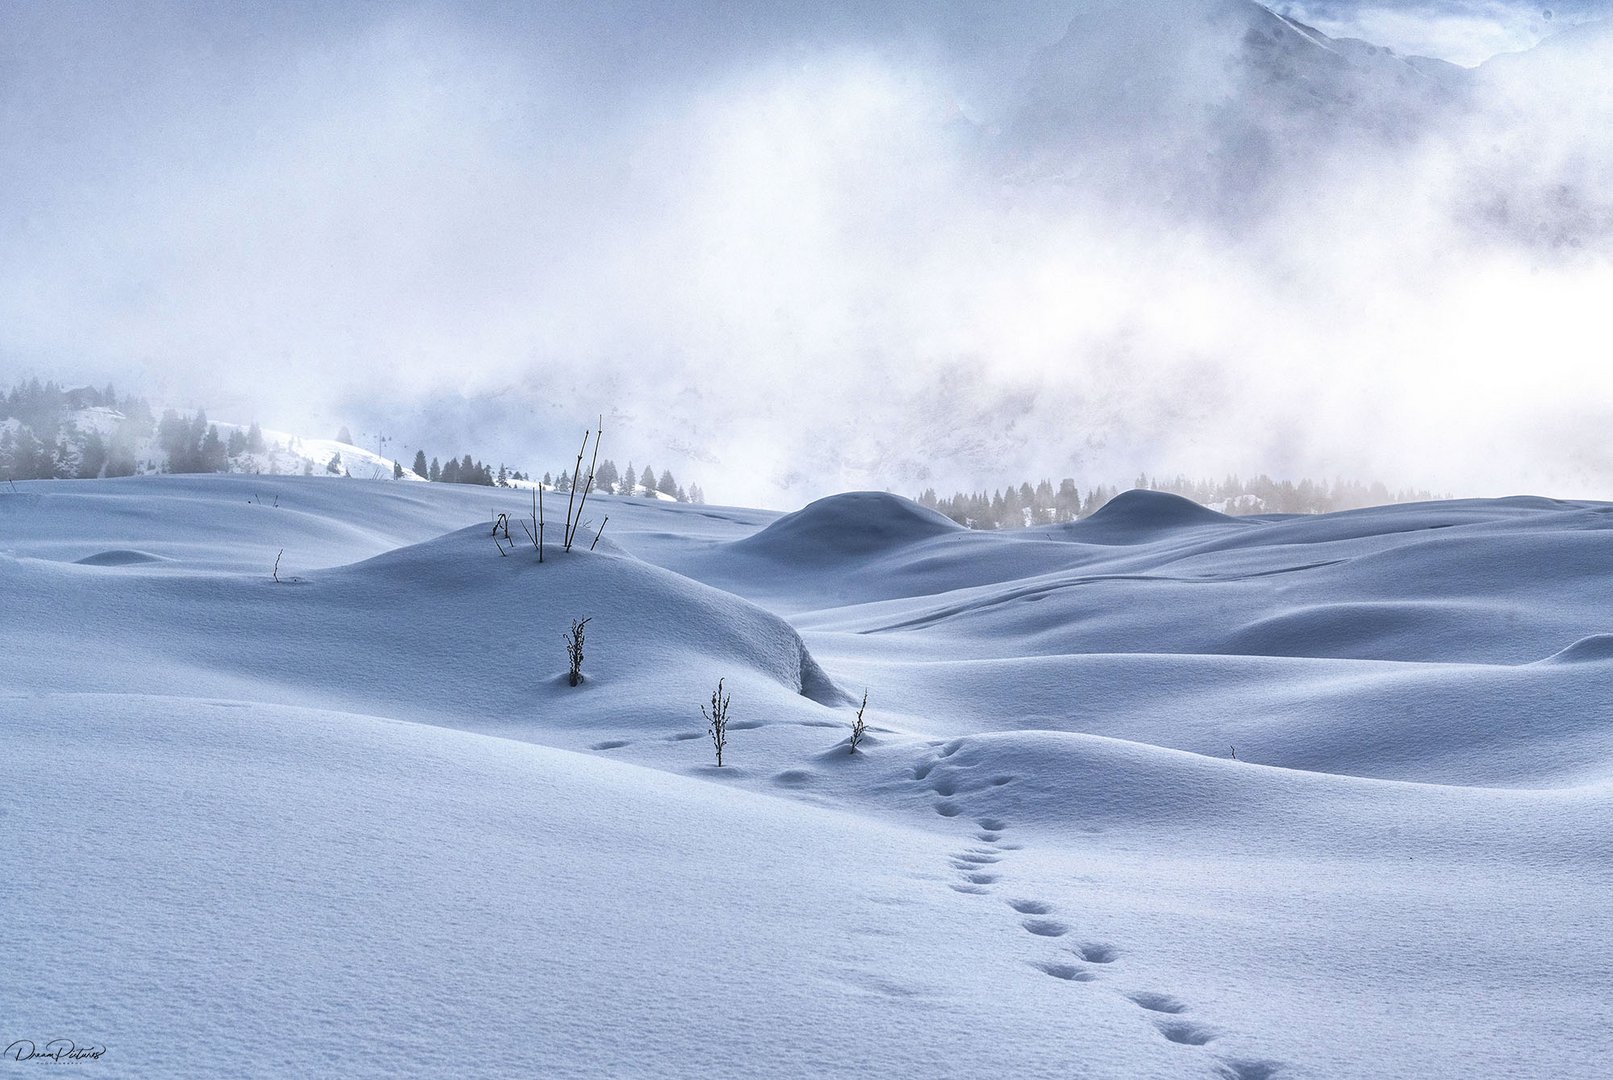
1184,796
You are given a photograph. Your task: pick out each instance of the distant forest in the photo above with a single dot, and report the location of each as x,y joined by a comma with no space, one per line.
1040,504
50,432
608,479
40,436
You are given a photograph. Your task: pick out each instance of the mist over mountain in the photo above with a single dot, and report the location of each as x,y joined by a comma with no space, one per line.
866,245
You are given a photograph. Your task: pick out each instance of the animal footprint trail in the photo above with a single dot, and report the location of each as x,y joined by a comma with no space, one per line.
972,865
979,869
1168,1021
976,865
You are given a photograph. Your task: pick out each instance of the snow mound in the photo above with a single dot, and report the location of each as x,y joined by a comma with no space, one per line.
643,617
1587,650
1138,516
120,557
857,524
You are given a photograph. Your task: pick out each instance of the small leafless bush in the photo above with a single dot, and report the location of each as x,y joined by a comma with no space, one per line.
535,533
717,720
275,573
502,524
573,524
859,726
574,648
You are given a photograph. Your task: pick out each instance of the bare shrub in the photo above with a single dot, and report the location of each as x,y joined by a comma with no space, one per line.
717,720
859,726
573,640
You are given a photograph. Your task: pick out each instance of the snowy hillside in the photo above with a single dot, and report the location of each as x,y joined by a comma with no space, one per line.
99,440
1160,793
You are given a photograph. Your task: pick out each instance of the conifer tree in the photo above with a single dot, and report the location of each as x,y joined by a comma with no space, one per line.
213,457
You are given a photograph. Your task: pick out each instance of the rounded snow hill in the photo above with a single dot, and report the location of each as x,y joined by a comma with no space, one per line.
1137,516
857,524
649,626
446,631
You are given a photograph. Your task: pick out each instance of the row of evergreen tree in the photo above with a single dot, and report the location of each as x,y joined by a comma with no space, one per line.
465,470
613,481
1042,503
607,478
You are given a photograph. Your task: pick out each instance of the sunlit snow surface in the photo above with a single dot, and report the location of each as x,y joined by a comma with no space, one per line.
356,823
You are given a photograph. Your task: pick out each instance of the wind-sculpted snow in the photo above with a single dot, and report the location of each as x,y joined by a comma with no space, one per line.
1162,793
1595,649
235,523
482,630
1396,584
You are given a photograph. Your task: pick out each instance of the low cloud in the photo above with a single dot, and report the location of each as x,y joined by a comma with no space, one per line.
818,256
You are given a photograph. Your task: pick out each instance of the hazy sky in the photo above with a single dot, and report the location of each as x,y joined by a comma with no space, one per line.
794,248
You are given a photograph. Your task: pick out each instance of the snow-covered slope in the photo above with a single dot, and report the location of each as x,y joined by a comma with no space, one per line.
290,454
1160,794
